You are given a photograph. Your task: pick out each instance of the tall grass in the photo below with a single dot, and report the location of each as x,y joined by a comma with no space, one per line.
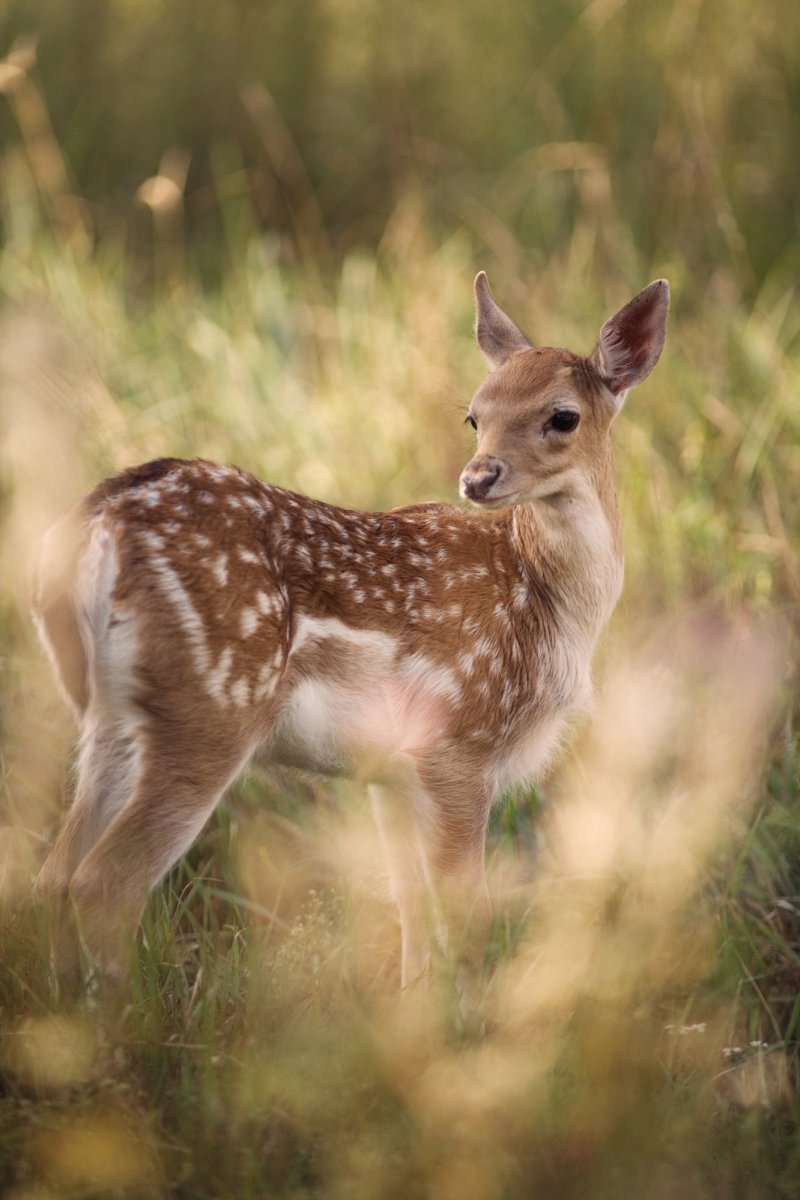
635,1029
672,122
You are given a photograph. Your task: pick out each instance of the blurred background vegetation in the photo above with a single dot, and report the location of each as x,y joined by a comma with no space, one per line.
248,230
669,122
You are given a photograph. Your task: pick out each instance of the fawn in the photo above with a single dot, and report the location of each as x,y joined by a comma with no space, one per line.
199,618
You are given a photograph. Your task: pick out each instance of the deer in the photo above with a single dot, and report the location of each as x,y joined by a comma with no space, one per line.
199,620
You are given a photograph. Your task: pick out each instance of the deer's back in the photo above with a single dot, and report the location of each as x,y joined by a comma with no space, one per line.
328,634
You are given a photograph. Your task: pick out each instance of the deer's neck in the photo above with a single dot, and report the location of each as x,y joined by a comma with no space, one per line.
570,548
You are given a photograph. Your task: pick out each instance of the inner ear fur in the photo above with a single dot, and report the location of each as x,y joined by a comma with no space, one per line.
630,343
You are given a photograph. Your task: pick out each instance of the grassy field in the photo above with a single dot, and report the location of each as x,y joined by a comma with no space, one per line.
637,1029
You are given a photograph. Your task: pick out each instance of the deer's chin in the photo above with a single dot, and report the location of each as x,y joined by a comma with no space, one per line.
504,501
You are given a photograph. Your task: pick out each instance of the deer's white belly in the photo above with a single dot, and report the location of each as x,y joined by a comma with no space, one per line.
384,705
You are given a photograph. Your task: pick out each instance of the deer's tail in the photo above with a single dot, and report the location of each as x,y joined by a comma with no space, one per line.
55,606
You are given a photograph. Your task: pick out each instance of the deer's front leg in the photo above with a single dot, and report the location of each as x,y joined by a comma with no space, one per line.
456,859
433,836
408,879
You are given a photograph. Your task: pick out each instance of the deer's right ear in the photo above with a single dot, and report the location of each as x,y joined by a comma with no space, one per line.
498,336
631,342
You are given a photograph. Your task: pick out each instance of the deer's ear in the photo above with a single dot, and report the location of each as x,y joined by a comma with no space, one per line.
630,343
498,336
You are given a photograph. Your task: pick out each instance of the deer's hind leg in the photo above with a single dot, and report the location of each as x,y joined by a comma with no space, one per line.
186,767
109,764
94,652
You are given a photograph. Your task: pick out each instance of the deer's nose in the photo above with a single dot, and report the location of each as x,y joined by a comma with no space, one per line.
479,477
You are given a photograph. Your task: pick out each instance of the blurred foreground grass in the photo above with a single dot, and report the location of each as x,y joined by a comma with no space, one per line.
636,1034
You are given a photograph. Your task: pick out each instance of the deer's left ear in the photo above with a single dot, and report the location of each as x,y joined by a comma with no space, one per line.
631,342
497,335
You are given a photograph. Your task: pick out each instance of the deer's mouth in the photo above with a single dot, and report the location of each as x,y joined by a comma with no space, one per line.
494,501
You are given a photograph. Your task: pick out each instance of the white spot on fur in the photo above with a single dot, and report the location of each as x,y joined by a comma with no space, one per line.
466,661
266,682
248,622
267,605
240,693
219,569
501,614
220,474
218,677
484,648
153,540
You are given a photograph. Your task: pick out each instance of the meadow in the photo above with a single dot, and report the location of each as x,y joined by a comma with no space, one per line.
306,313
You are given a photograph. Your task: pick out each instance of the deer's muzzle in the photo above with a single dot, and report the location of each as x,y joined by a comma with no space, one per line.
481,477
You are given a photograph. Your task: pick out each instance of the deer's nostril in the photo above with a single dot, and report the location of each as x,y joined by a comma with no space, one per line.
485,480
479,483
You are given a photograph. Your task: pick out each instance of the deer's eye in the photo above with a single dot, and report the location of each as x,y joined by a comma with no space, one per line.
470,420
565,420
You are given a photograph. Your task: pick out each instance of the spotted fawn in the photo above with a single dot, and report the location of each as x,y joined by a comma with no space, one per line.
199,619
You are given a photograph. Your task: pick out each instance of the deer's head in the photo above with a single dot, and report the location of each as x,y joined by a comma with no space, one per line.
543,416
